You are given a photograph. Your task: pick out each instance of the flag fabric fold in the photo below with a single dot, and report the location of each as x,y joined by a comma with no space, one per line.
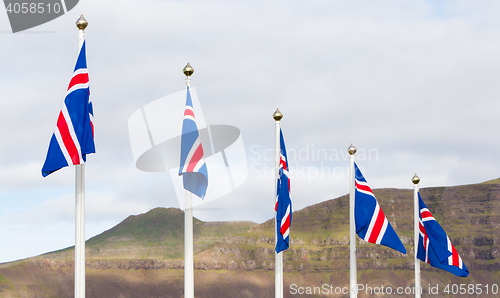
192,165
283,205
434,245
73,138
371,223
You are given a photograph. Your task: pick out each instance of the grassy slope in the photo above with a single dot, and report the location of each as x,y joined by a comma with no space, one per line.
157,234
470,214
221,283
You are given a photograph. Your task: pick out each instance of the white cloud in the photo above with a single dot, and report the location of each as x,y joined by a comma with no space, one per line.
413,80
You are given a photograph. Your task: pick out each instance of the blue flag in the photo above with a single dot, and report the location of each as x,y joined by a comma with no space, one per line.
371,223
434,246
283,202
73,138
192,167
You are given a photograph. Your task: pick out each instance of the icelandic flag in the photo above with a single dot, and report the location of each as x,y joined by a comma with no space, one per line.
192,168
283,206
371,223
73,138
434,246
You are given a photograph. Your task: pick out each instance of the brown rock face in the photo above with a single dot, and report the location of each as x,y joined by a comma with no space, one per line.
143,255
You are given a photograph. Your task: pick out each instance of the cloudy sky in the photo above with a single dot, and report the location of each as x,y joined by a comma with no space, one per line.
413,84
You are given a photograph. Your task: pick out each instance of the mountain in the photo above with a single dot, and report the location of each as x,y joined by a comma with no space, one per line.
157,234
142,256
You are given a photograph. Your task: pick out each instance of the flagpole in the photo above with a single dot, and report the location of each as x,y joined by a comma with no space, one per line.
78,199
278,268
80,231
188,247
353,280
81,24
188,223
416,217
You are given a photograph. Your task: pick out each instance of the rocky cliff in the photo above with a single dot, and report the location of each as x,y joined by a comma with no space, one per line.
142,256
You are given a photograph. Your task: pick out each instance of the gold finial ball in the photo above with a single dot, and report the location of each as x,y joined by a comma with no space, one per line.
188,70
82,23
352,150
415,179
277,115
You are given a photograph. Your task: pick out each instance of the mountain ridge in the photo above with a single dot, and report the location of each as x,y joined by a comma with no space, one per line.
319,251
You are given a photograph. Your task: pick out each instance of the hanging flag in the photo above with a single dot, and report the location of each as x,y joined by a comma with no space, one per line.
283,206
371,223
192,168
435,247
73,138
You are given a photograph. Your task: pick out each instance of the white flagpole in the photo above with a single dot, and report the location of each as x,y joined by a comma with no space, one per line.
416,211
78,198
81,24
188,224
188,247
353,280
278,268
80,231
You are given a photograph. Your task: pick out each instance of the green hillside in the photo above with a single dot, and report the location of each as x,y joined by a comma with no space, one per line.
144,253
157,234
